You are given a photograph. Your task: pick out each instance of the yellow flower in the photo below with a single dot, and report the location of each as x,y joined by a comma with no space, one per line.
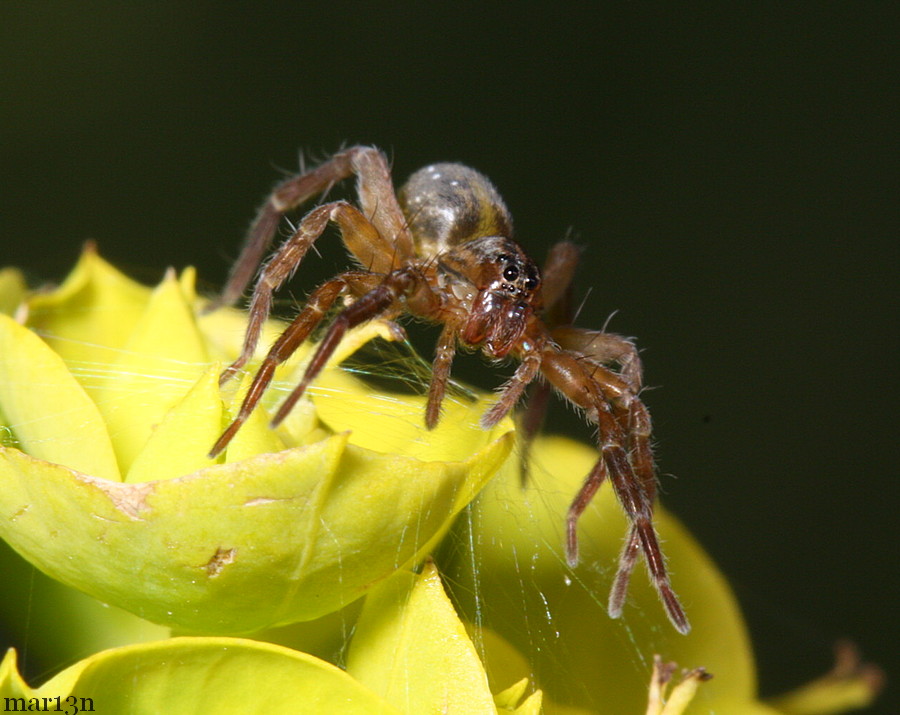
109,404
110,398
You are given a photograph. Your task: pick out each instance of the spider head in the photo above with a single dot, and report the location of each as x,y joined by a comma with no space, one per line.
508,284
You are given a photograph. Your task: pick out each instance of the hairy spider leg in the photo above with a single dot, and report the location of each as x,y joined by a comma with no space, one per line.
512,389
377,199
444,352
382,300
599,391
608,348
639,508
320,300
359,235
275,273
641,456
557,275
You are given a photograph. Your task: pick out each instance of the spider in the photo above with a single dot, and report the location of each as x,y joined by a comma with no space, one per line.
441,250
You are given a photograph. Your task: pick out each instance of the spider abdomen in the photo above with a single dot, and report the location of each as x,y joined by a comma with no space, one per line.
449,204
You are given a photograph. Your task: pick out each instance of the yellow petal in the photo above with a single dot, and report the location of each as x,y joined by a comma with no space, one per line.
49,413
411,648
11,683
164,355
12,290
305,531
91,315
180,444
195,675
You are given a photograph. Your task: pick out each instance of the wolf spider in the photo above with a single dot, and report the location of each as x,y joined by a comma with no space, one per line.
441,250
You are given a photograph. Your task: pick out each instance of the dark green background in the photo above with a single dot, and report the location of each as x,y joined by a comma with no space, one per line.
726,170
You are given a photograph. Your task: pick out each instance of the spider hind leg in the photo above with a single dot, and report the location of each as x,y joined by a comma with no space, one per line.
377,200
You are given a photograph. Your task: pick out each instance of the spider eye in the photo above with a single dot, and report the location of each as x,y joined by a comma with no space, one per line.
531,284
510,273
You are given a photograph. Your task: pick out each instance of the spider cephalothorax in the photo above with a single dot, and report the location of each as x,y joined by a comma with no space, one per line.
441,249
497,285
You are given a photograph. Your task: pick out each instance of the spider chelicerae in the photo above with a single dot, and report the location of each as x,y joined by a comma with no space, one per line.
441,250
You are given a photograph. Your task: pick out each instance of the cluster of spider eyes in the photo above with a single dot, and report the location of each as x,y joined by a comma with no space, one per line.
511,273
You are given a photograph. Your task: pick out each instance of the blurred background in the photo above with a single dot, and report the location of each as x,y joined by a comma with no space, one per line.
725,169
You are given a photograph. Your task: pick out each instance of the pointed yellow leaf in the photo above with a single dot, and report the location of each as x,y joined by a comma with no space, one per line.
49,413
184,676
411,648
91,315
12,290
180,445
164,355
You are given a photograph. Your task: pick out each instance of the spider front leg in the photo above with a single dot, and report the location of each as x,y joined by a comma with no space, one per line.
638,506
607,348
557,275
440,374
641,456
607,401
381,300
296,333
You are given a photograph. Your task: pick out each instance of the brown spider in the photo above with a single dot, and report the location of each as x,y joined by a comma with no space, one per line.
441,250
